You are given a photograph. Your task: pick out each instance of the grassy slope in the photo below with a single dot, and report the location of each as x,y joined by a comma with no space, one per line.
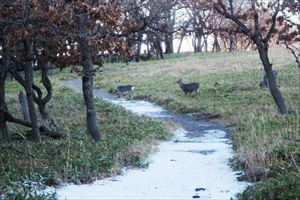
230,88
126,141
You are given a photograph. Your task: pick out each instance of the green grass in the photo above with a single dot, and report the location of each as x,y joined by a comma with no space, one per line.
26,166
230,88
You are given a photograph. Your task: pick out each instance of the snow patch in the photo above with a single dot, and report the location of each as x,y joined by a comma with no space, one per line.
182,168
175,172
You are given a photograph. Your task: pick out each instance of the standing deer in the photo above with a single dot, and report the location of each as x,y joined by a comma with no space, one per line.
264,81
124,89
189,88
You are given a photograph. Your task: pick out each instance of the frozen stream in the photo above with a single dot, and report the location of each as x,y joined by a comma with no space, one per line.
194,164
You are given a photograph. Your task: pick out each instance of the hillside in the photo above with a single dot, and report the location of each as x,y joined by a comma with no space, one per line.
266,144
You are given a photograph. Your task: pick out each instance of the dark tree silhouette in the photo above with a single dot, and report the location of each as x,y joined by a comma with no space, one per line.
250,23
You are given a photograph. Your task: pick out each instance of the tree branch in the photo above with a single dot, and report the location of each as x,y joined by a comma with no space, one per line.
15,120
294,53
224,12
271,30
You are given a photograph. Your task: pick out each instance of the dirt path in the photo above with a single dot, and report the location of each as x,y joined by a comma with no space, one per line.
194,164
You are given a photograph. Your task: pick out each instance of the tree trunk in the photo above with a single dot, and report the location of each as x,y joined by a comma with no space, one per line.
170,21
137,54
43,103
278,98
231,35
205,43
198,41
158,49
216,45
43,63
3,125
180,43
4,66
24,105
28,70
199,44
137,47
231,43
87,89
169,44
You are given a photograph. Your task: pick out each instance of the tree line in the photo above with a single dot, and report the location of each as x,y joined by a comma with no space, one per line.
43,35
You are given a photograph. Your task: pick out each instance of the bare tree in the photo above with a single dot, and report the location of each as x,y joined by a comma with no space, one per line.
260,34
290,33
63,33
200,17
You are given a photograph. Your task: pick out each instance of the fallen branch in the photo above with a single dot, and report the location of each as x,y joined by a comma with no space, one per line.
53,134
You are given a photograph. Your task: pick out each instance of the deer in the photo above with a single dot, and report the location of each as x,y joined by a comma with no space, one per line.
189,88
264,81
124,89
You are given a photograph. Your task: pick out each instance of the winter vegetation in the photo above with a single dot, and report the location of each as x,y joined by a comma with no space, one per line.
50,134
266,143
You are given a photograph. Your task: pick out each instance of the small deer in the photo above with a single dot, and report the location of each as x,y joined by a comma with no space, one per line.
189,88
264,81
124,89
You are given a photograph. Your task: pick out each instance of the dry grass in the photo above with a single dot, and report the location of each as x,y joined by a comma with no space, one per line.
200,64
229,87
